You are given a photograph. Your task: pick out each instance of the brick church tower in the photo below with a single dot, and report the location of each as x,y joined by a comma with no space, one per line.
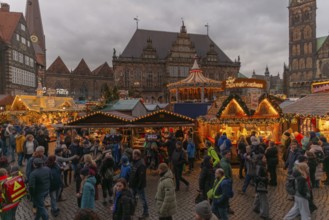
302,47
35,27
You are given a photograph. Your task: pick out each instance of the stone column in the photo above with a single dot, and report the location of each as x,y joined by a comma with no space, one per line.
202,94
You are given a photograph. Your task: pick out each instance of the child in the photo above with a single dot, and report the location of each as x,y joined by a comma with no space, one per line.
87,193
190,153
261,205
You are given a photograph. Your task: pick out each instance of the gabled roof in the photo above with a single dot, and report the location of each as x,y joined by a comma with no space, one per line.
122,105
163,118
268,107
82,68
6,100
103,70
233,107
99,119
320,41
58,66
162,41
241,75
8,24
316,104
152,107
43,103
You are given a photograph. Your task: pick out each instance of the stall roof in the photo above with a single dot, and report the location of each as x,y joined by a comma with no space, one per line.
233,107
268,107
43,103
163,118
101,119
122,105
316,104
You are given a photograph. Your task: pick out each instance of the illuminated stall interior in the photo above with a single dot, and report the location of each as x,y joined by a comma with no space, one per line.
195,88
309,114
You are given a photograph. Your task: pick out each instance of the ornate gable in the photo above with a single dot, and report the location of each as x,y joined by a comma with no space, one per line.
103,70
58,66
82,69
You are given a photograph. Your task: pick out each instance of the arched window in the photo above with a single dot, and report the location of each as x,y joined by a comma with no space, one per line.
309,62
295,64
301,64
307,32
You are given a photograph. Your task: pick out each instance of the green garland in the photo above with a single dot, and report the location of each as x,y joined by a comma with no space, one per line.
239,100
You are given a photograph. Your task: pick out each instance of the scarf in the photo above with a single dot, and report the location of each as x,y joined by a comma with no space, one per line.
117,196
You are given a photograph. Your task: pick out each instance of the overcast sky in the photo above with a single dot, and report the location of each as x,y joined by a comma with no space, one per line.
257,30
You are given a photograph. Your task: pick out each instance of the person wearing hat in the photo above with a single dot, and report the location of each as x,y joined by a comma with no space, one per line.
203,211
125,168
165,196
39,186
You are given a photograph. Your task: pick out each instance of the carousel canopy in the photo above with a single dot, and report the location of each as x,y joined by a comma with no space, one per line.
196,79
43,103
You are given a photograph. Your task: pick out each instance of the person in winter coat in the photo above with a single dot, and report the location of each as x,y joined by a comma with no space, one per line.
250,163
203,211
316,149
272,159
302,196
125,168
76,150
29,146
293,155
88,189
39,153
325,146
20,139
39,186
137,180
122,208
312,164
55,185
165,197
224,143
190,153
106,173
222,192
207,176
43,140
225,164
213,154
178,161
261,204
242,144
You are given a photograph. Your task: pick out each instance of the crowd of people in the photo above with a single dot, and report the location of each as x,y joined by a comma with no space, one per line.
97,159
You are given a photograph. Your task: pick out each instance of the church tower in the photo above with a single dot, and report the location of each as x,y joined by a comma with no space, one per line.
302,47
35,27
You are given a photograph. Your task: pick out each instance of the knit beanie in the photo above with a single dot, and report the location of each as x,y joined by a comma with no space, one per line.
84,171
203,209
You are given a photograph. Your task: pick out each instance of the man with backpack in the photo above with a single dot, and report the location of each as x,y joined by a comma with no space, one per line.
224,143
220,194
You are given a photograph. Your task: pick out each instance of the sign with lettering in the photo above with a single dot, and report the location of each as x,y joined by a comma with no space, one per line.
236,83
320,87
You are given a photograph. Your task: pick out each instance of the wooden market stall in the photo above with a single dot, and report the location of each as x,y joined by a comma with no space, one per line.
309,114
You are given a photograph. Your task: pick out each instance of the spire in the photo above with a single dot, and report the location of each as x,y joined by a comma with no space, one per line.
183,28
35,27
267,72
195,64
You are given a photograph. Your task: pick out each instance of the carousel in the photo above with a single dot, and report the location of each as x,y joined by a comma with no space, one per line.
195,88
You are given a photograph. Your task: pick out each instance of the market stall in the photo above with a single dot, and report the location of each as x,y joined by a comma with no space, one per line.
309,113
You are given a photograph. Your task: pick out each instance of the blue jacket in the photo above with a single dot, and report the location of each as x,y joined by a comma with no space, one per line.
225,192
39,181
125,171
292,157
190,150
88,193
228,142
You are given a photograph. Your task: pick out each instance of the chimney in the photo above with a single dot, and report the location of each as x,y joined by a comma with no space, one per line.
5,7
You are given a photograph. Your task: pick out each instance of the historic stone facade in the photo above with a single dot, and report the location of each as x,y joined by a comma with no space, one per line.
81,83
273,83
17,56
308,61
152,59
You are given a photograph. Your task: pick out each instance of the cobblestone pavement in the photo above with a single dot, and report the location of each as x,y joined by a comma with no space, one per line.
241,204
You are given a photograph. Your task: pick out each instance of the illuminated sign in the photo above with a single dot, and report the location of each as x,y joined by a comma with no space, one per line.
233,83
50,91
320,87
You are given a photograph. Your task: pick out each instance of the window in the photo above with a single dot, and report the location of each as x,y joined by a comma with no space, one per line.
20,57
28,43
17,37
31,62
149,80
23,40
23,27
22,77
15,55
27,60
